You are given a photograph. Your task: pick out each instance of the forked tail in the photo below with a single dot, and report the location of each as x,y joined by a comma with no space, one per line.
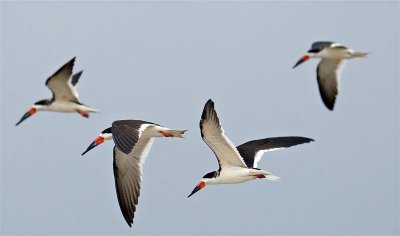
174,133
360,54
262,174
272,177
93,110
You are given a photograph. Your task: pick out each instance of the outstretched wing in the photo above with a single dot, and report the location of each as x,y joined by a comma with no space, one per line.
127,132
60,83
213,135
75,78
128,178
252,151
328,76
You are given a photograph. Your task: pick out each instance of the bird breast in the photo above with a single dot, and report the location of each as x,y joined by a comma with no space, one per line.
233,175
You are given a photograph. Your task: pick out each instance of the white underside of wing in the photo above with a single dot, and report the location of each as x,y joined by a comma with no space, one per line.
73,89
70,88
260,153
63,89
128,177
223,148
142,148
126,163
330,71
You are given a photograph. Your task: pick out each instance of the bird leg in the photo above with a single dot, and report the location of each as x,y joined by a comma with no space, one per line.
82,113
260,176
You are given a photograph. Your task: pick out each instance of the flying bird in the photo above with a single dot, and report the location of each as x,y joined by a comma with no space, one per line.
330,67
65,97
133,140
236,164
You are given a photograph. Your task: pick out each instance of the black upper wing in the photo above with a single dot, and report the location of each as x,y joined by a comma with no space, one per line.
249,150
75,78
126,133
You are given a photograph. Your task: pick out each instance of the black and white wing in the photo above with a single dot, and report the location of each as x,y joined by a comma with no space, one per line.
60,83
252,151
128,176
127,132
328,76
75,78
213,135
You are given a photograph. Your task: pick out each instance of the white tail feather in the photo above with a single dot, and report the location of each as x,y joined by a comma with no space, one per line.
176,133
360,54
272,177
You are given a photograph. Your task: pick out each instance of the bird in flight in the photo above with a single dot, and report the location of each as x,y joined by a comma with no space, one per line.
236,164
133,140
65,97
330,67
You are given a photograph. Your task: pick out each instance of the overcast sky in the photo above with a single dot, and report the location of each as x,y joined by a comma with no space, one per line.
160,62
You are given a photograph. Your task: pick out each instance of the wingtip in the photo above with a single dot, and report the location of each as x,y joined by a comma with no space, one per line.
79,73
183,132
130,222
210,101
330,107
307,139
328,102
72,61
209,105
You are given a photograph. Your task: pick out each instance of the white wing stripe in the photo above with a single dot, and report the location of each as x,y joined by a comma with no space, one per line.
259,154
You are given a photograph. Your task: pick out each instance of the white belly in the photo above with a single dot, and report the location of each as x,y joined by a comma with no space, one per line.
234,175
63,106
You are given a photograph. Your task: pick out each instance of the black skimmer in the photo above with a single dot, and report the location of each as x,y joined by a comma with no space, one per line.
65,96
236,164
330,67
133,140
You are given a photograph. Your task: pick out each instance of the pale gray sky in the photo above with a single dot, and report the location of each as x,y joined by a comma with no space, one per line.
160,61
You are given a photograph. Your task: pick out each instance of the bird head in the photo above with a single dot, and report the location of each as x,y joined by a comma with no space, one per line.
38,106
104,135
209,178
